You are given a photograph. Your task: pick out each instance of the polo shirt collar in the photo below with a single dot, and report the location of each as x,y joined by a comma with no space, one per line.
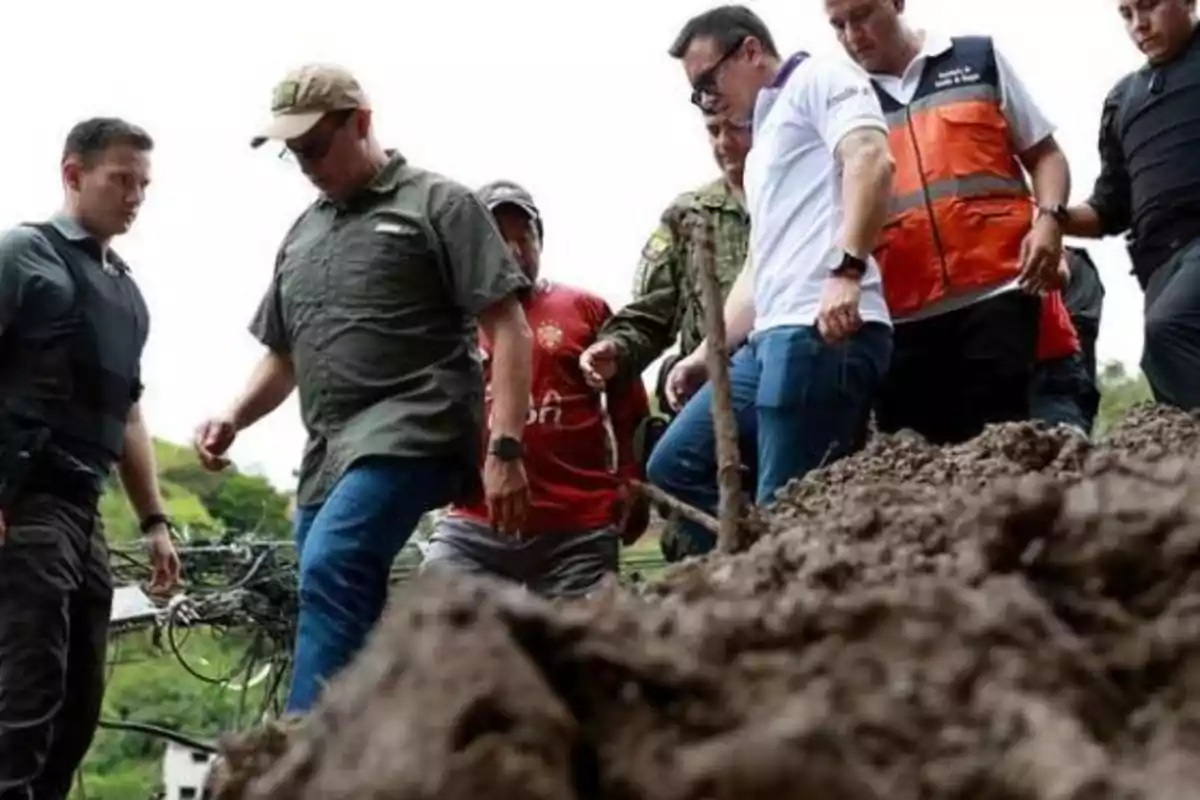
770,93
388,178
72,231
933,44
70,228
785,72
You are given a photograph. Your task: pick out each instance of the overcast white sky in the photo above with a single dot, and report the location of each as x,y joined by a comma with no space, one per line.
578,101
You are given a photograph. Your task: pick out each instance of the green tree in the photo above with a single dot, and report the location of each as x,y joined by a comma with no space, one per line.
201,501
248,503
1119,392
147,683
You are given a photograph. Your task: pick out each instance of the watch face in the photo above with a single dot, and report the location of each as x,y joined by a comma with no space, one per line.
506,448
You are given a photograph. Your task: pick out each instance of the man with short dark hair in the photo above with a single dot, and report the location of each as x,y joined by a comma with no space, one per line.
72,328
805,320
1149,188
372,314
582,506
726,28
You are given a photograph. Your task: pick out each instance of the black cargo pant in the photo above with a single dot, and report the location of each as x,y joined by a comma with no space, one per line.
1171,354
55,601
956,372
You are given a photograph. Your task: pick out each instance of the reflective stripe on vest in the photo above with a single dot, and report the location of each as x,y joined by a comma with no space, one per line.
960,206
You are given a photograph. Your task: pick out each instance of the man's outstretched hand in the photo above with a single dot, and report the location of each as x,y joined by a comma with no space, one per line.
212,441
599,363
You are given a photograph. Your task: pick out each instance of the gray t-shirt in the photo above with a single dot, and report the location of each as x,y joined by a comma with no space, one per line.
375,300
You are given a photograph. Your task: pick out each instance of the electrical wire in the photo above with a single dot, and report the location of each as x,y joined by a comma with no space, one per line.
160,732
244,594
238,586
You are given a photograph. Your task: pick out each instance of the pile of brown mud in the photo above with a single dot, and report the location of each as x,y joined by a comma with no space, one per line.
1017,617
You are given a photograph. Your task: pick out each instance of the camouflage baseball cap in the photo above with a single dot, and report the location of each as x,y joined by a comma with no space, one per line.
305,95
498,193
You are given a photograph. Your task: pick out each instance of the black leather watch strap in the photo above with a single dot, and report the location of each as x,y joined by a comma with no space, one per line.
851,266
151,520
1058,213
506,448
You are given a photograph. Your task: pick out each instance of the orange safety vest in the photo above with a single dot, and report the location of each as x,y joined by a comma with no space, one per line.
960,206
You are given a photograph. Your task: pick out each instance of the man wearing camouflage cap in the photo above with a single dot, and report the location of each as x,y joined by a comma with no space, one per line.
372,315
582,507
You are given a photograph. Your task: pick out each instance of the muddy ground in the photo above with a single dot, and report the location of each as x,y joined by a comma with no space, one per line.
1018,617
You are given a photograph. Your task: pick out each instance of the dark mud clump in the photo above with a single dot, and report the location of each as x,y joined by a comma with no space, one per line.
1018,617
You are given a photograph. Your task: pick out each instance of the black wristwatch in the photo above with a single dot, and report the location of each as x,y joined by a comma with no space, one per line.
151,520
506,448
851,266
1057,212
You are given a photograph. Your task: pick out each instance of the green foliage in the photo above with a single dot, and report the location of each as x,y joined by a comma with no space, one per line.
250,503
202,502
148,684
1119,392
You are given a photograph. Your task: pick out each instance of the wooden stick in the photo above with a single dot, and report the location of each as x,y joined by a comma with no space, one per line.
681,508
729,472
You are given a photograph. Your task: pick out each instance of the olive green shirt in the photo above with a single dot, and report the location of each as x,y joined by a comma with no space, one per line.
375,300
668,297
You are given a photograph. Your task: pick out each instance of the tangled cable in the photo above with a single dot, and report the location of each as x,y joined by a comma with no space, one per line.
242,594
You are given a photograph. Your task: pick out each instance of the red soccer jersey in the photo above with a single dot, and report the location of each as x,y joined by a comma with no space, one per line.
567,452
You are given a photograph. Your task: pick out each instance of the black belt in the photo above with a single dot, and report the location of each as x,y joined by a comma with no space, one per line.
1148,253
76,487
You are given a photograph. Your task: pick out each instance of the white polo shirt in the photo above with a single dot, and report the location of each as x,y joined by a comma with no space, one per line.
793,187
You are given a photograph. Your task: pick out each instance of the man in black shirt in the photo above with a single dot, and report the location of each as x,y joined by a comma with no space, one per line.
72,328
1149,188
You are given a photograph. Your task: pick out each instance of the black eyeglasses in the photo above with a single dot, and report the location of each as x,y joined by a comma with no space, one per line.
704,88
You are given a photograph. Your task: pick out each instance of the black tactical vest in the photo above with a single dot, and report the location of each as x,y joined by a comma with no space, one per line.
82,383
1158,126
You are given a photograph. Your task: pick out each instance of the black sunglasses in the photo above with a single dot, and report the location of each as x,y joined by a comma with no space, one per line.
316,149
704,95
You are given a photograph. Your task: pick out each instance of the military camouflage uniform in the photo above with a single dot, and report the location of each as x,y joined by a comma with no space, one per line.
667,296
668,300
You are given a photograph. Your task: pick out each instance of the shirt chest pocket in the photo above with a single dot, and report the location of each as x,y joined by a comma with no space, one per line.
385,265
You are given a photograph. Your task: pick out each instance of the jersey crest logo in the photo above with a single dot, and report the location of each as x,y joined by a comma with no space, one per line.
549,336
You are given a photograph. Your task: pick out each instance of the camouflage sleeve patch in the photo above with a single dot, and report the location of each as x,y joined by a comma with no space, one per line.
655,255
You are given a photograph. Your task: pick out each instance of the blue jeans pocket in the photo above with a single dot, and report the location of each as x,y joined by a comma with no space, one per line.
787,358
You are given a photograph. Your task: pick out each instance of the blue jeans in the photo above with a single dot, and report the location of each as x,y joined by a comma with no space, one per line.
346,546
799,403
1064,394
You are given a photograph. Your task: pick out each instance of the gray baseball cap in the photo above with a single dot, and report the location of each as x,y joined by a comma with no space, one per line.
502,192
